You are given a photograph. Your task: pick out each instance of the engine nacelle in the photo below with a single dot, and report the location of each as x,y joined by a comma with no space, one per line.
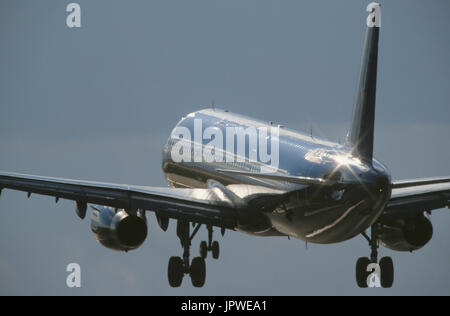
407,234
117,230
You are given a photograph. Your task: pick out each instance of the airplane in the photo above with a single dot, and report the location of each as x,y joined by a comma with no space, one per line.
317,191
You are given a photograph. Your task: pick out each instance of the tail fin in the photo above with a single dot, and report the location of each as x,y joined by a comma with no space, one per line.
361,134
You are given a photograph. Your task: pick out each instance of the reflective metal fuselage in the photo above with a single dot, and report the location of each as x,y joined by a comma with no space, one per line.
318,214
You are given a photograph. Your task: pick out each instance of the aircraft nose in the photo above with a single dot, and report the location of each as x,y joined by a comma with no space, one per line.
379,189
371,185
382,183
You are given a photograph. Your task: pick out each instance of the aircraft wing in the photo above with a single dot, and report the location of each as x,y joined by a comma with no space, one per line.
207,206
412,197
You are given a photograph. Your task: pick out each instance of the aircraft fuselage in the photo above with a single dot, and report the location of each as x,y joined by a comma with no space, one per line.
317,214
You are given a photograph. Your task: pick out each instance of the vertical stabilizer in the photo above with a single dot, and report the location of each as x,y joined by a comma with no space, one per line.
361,133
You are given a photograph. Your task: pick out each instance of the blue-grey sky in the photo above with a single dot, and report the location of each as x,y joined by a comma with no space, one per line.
98,103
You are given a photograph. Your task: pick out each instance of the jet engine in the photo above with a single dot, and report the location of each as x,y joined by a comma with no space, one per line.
407,234
117,229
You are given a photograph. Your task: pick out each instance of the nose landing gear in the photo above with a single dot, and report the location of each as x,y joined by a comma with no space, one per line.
212,246
365,267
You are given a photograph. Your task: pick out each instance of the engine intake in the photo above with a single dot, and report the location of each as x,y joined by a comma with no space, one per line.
118,230
407,234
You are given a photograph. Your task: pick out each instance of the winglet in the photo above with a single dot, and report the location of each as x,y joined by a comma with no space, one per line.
361,134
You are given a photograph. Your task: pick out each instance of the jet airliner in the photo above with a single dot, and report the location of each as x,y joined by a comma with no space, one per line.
319,191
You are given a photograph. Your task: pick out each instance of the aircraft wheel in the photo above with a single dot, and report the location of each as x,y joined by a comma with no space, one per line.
361,272
175,271
215,249
203,249
198,272
387,272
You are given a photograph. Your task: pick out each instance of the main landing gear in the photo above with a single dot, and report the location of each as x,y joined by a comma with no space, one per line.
196,269
384,269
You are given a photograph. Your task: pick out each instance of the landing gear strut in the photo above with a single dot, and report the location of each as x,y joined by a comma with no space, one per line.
212,246
178,267
385,267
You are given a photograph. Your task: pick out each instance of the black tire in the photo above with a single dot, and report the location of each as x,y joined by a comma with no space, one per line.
203,249
361,272
175,271
387,272
215,250
198,272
